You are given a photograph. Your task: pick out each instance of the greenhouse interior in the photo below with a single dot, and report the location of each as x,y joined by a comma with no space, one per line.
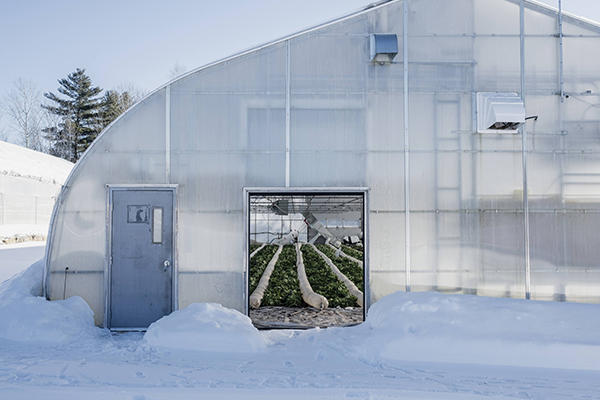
306,264
466,132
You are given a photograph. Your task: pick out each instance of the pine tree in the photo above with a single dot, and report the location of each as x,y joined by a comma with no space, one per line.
110,108
79,115
113,105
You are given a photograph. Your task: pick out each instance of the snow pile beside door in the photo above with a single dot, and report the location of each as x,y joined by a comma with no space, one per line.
206,327
27,317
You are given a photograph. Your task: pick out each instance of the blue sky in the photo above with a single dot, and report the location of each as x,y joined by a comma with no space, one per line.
139,41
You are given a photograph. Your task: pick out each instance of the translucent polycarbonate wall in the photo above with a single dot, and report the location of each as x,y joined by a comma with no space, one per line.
466,213
564,159
132,151
313,111
227,132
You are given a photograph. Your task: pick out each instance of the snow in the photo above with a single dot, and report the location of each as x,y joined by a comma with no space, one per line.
206,327
22,162
433,327
412,346
26,317
14,258
23,229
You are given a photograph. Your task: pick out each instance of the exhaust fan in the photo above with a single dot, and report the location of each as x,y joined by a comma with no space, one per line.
499,112
384,47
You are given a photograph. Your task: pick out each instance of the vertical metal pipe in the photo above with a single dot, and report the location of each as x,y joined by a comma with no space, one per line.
524,155
406,154
287,114
168,135
560,47
247,215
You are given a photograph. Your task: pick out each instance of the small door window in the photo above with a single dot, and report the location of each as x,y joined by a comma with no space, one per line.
157,224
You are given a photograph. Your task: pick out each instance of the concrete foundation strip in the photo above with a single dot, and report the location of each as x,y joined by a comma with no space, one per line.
343,278
257,296
308,295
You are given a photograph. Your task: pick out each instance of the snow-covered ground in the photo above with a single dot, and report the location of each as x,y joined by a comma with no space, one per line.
14,258
23,229
412,346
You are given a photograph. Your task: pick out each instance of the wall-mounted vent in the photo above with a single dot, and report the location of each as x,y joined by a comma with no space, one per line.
499,112
384,47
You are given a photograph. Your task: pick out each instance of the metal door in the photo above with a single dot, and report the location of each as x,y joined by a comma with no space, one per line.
141,264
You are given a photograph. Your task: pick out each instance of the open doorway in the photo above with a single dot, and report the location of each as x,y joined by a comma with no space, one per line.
306,258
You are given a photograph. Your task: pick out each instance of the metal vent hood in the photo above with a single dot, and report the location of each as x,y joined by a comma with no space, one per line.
499,112
384,47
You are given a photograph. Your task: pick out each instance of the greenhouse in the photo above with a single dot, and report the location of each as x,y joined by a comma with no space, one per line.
441,146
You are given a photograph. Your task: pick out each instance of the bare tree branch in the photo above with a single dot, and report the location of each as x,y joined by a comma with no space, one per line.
135,92
177,70
22,106
3,132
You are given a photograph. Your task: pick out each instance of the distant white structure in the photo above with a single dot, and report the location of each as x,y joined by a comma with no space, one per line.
29,184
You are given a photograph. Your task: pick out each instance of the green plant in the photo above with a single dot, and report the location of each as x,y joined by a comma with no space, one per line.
353,252
258,263
284,288
352,270
324,281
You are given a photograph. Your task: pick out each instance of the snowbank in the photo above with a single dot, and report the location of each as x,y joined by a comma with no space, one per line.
26,317
26,163
434,327
206,327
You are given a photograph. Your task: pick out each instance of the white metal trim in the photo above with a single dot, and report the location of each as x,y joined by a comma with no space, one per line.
524,162
561,55
406,155
365,191
168,134
50,242
160,186
288,88
366,253
108,257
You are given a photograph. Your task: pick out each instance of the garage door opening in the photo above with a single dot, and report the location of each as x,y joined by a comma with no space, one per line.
306,258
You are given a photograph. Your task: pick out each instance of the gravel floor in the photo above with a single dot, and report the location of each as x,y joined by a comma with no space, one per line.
302,318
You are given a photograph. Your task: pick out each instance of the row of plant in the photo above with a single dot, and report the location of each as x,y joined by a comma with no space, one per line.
253,247
352,252
259,262
324,281
352,270
284,287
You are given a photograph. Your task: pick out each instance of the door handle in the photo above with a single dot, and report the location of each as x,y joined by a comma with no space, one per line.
167,265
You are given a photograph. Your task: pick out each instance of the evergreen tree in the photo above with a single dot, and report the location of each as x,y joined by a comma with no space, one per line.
113,105
110,108
79,115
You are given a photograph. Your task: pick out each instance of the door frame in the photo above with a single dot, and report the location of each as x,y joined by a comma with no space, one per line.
110,189
364,191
